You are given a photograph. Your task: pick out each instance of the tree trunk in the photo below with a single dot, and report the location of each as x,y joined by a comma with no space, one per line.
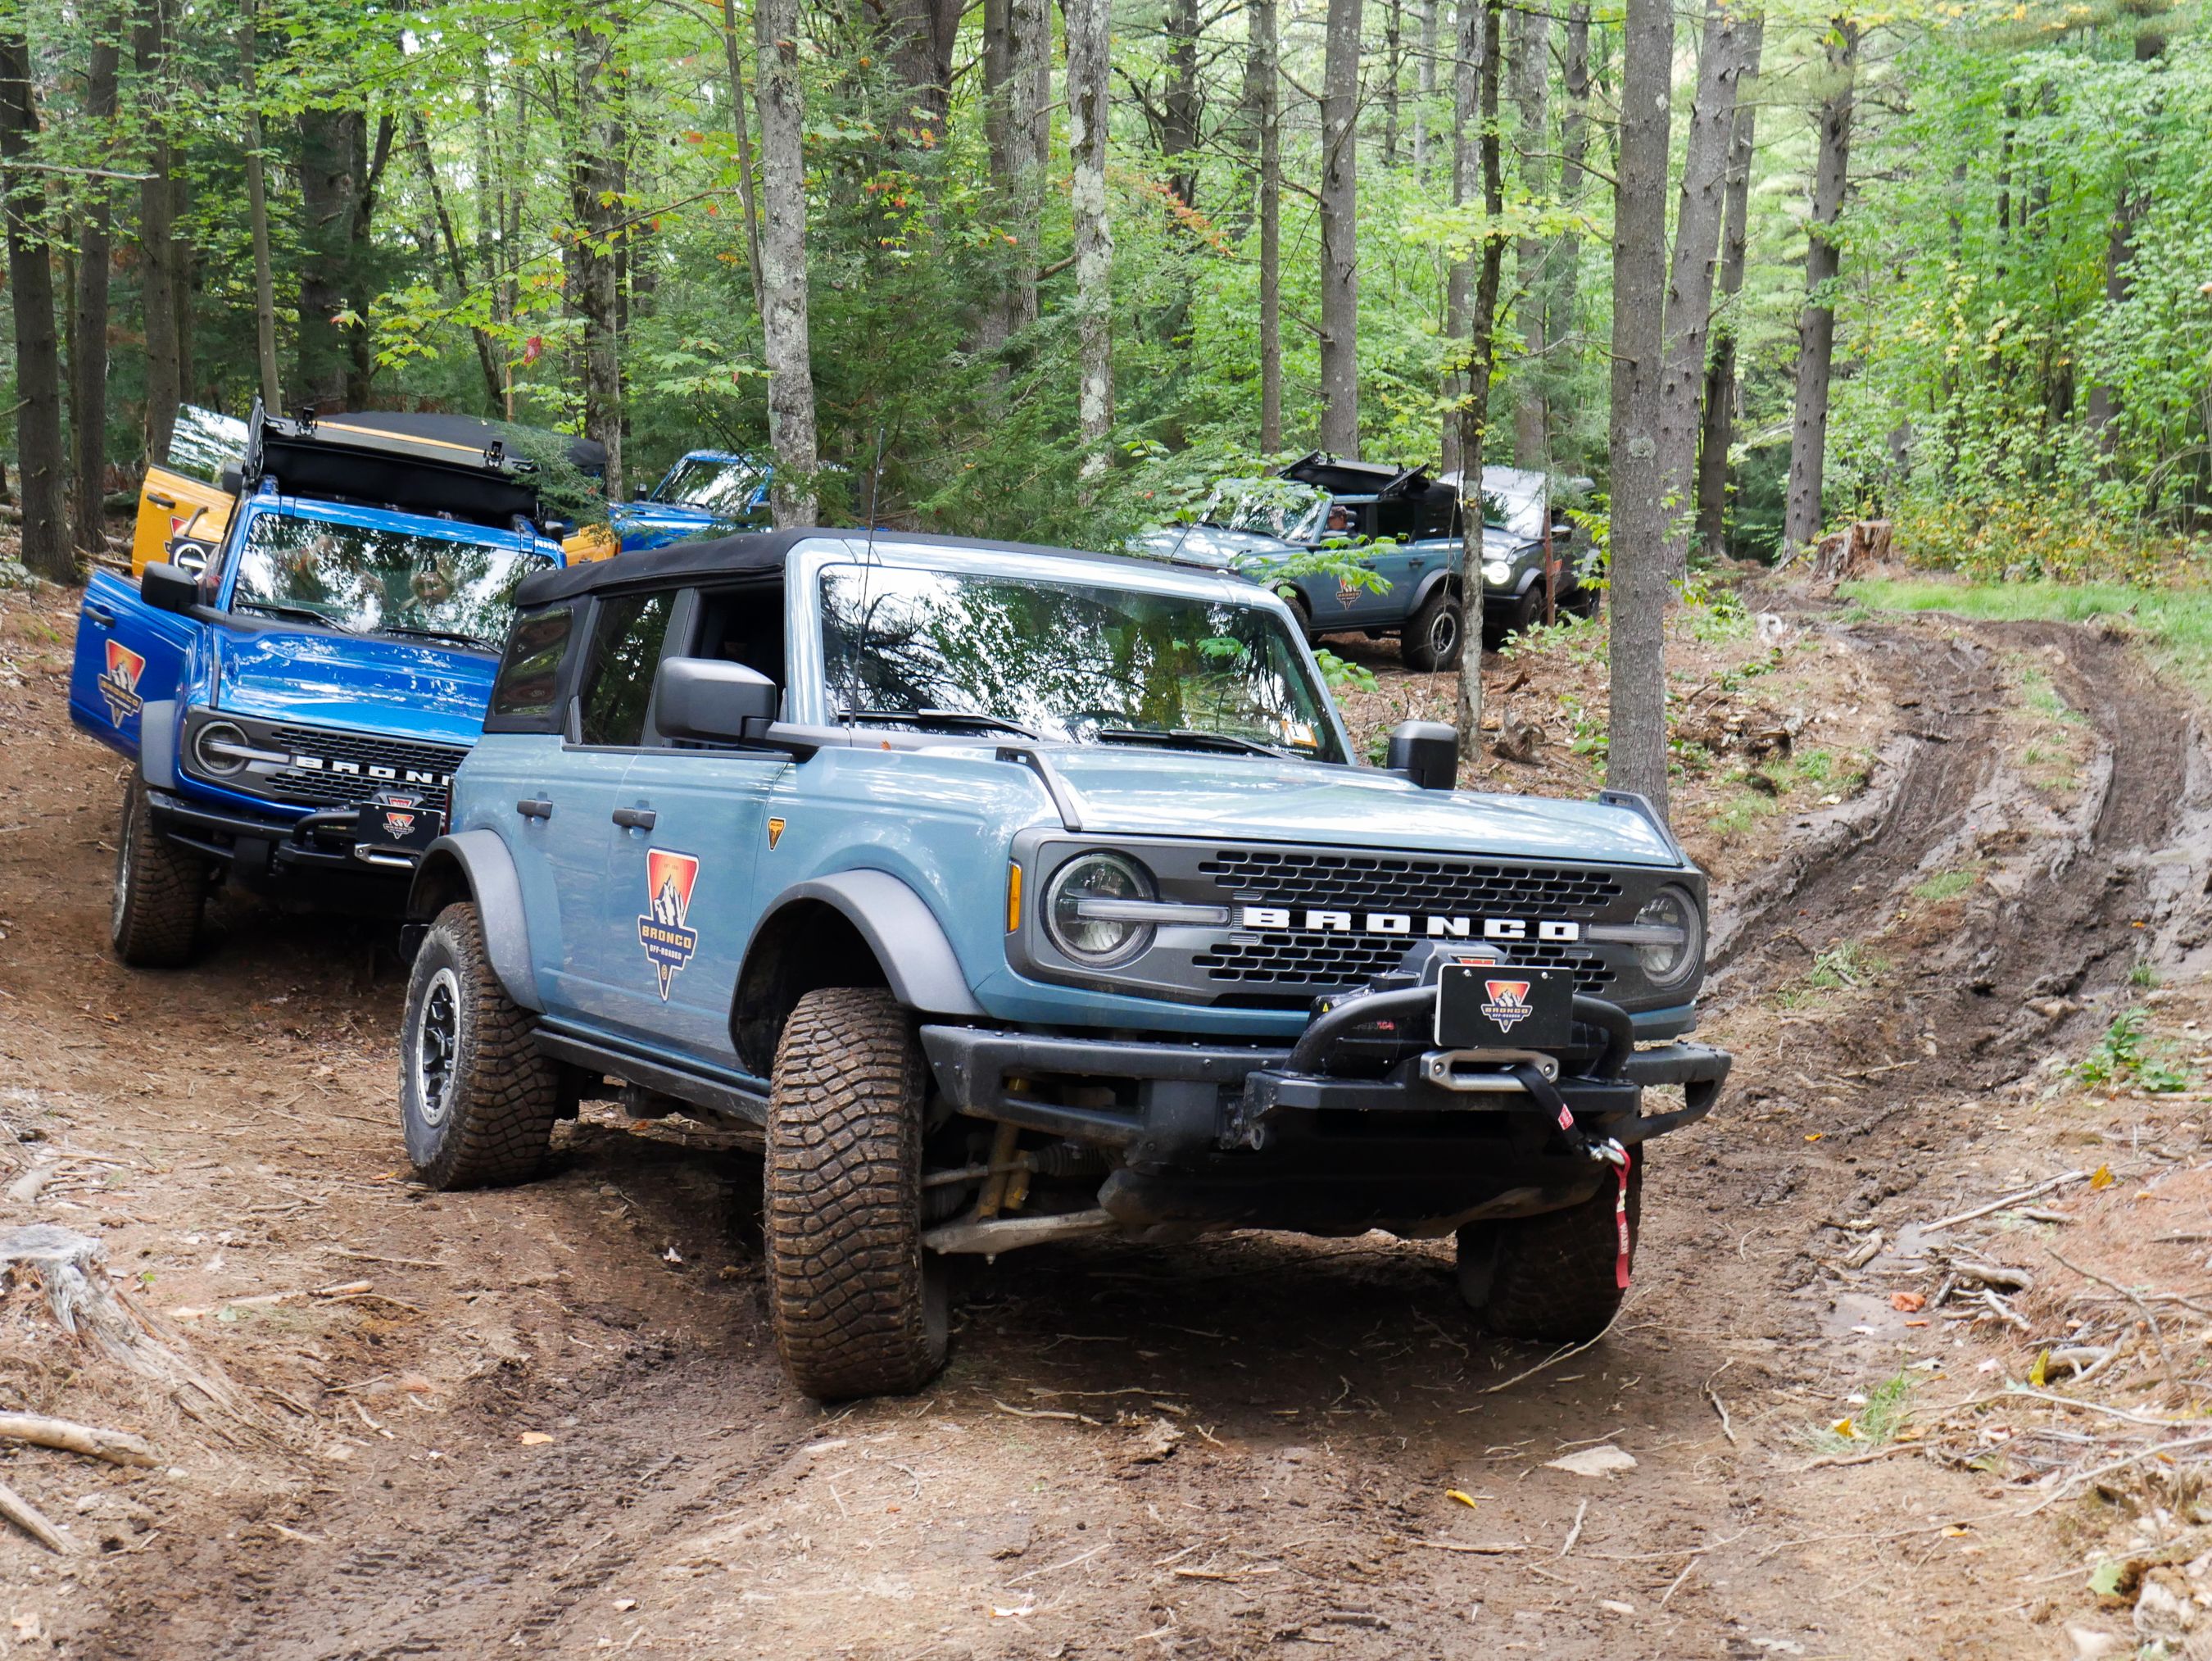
186,281
1719,410
1394,70
88,355
923,34
1474,410
257,213
41,464
1179,99
1636,757
1562,302
783,260
1424,88
1730,49
157,262
1339,231
1028,120
1468,61
1816,327
593,177
1089,46
418,141
2120,248
1264,89
1532,76
333,172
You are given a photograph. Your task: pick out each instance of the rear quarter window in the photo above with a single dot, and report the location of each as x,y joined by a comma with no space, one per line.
526,693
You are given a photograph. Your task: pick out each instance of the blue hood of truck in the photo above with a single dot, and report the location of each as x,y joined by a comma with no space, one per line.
652,524
1141,791
354,681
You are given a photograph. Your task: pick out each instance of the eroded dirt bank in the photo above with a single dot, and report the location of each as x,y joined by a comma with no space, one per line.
549,1418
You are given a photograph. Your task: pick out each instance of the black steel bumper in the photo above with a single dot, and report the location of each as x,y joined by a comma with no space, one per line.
310,860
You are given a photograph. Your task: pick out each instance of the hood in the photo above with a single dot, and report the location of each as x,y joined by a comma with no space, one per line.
360,681
1147,792
1211,545
656,524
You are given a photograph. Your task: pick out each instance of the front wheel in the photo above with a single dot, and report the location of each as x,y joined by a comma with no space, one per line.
161,891
858,1305
1558,1278
1433,636
476,1099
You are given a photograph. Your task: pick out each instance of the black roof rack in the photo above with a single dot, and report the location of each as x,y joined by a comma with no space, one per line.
367,460
749,552
1340,477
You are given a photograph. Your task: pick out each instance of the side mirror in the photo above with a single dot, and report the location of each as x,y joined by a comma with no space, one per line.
708,699
1562,530
169,589
230,481
1425,752
637,493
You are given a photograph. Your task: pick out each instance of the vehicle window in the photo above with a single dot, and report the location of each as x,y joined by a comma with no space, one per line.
530,669
204,443
733,487
369,579
744,625
1064,660
625,652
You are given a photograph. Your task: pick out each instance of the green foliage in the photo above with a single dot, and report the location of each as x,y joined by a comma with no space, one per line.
2127,1056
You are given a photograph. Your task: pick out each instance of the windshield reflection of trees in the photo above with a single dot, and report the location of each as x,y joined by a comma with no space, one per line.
363,579
1062,659
725,487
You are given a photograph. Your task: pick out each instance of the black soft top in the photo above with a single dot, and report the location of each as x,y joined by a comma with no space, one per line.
752,552
587,456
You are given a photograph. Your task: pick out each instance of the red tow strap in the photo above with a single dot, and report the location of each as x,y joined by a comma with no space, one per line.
1620,1221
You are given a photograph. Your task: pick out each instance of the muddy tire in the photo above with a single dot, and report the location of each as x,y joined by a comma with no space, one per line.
1433,636
161,891
1553,1279
859,1308
477,1100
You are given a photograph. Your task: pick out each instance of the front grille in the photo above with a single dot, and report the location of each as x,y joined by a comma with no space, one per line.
355,766
1390,882
1312,963
1324,962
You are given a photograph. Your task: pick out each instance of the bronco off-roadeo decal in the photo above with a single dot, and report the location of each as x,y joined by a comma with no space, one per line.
668,944
118,682
1509,1003
1266,919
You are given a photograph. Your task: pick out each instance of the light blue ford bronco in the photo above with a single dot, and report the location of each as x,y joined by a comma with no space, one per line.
1010,895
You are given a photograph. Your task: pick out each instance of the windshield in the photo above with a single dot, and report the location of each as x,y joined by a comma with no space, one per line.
1067,661
1267,506
366,580
723,485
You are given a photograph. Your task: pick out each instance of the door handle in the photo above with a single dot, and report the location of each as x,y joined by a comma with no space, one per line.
635,818
161,501
534,807
100,615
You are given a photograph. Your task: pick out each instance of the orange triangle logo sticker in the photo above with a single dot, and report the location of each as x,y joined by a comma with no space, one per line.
774,832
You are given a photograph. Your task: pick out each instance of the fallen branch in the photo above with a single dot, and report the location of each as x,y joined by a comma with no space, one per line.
2157,1337
1473,1551
2008,1200
33,1521
2164,1450
117,1447
1553,1359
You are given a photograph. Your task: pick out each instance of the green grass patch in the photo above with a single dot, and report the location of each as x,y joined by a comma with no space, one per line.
1946,885
1846,964
2175,623
1874,1424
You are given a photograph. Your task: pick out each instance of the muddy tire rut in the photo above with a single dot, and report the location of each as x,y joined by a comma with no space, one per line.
1247,1444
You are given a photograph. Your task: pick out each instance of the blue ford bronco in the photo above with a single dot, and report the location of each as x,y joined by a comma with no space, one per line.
705,493
295,702
1011,894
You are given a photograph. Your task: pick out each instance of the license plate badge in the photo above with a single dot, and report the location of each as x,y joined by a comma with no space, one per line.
393,819
1488,1006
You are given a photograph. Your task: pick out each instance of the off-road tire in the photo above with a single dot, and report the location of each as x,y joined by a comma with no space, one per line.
160,890
858,1308
1301,613
477,1100
1435,635
1553,1279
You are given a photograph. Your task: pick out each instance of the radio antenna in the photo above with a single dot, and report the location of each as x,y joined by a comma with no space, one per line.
875,488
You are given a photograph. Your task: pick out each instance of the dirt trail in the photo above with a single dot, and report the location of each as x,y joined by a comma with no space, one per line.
1233,1448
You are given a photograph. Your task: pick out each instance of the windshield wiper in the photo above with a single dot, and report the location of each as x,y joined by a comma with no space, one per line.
300,613
945,717
455,635
1190,738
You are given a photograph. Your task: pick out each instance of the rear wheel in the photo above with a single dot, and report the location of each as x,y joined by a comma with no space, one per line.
160,890
1301,612
1558,1278
859,1306
1433,638
476,1099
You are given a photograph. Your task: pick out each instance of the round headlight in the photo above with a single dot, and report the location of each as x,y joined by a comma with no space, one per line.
1496,572
219,749
1080,905
1671,959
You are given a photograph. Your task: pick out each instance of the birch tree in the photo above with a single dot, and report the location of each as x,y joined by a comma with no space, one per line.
1089,46
784,311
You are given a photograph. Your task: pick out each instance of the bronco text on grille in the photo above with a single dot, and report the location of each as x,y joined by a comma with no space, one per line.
1321,922
343,770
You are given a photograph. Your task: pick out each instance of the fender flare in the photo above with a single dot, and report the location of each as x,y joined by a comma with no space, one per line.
1429,586
157,744
476,863
918,961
